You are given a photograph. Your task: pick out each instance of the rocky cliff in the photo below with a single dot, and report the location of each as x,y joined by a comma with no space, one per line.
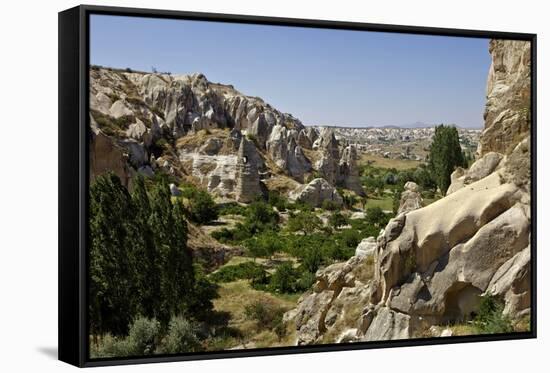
507,111
430,265
193,129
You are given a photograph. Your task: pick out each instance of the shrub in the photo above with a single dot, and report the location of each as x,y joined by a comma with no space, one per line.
182,336
202,208
143,336
490,319
337,220
264,244
232,208
284,279
242,271
329,205
304,221
376,217
266,316
275,200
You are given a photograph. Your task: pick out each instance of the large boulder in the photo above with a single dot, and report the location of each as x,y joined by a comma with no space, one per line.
317,191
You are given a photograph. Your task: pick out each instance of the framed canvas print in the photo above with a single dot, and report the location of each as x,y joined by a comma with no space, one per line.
234,186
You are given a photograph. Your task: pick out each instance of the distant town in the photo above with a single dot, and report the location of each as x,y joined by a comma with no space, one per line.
400,143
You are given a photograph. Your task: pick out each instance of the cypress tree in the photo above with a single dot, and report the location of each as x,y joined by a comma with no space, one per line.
445,155
113,296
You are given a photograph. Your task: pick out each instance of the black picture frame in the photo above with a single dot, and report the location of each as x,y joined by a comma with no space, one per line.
74,181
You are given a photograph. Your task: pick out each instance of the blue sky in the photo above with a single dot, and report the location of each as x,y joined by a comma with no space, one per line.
334,77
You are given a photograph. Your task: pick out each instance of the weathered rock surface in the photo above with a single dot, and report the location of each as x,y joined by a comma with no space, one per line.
107,155
247,187
367,247
410,198
317,191
507,111
481,168
192,128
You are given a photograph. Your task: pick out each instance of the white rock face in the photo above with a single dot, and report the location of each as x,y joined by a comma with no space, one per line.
317,191
411,198
367,247
507,118
481,168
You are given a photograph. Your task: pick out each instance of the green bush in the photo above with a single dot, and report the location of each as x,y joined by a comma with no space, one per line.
182,337
330,205
304,221
489,319
336,220
143,336
284,279
232,208
266,316
243,271
202,208
264,244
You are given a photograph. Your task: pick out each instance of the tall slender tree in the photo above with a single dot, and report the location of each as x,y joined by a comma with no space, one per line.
114,240
445,155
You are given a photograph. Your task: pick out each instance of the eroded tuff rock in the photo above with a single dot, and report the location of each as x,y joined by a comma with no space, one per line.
192,128
410,198
107,155
317,191
348,175
481,168
507,111
248,186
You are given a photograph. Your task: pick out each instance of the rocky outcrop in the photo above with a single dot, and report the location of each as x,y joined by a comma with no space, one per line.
317,191
106,155
348,175
247,187
367,247
507,111
481,168
411,199
192,128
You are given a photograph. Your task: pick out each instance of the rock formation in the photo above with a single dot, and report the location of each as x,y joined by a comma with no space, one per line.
507,111
348,175
247,187
410,198
317,191
190,127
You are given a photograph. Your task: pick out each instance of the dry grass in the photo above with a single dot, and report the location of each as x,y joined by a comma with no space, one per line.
399,164
234,297
193,141
281,184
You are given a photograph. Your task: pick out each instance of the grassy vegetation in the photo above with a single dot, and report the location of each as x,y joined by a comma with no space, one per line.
234,298
388,163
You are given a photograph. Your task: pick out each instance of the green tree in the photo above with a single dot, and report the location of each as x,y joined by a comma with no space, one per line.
114,240
445,155
202,208
170,236
304,221
336,220
146,261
